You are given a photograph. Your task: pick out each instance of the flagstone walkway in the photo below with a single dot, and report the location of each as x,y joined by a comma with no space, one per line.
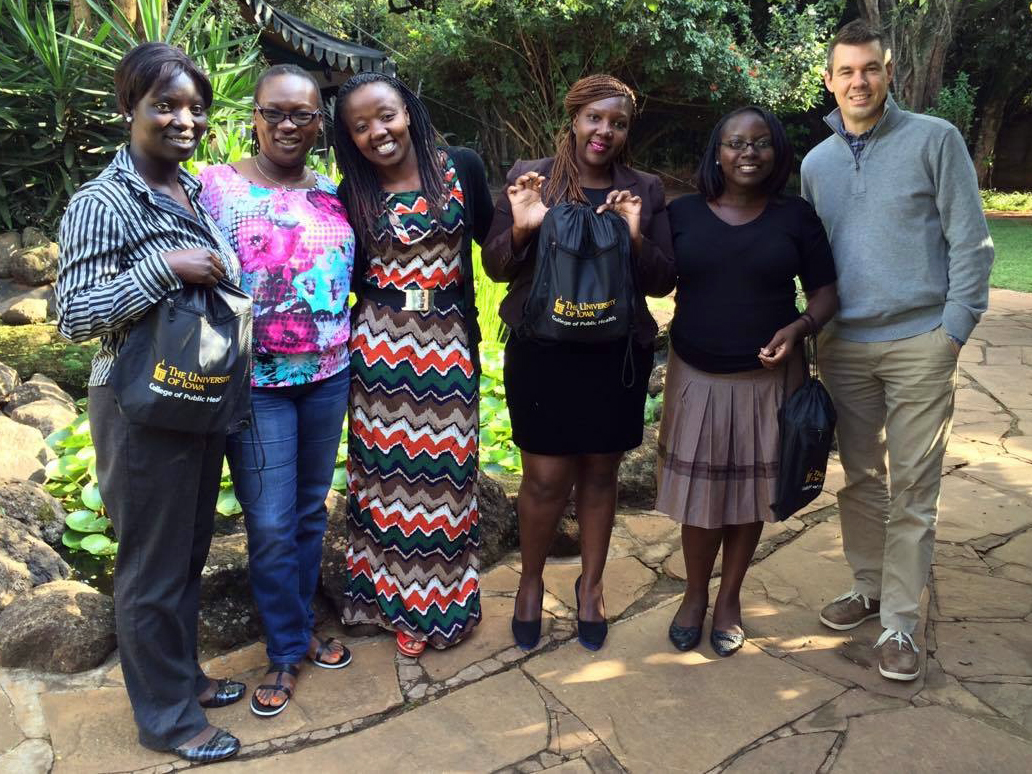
797,698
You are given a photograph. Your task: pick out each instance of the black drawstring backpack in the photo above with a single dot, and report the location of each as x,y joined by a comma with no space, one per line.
807,421
583,285
186,364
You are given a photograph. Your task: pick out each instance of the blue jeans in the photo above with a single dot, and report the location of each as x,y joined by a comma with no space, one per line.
282,467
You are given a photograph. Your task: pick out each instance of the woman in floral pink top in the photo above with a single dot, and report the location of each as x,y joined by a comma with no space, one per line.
297,249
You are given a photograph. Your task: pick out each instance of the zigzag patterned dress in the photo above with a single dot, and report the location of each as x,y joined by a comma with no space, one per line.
413,557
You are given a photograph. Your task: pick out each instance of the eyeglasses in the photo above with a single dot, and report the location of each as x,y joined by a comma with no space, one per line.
762,144
297,118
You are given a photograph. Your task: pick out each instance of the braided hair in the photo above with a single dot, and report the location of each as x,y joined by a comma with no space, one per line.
564,182
362,190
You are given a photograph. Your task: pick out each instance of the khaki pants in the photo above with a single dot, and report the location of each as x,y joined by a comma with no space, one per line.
895,409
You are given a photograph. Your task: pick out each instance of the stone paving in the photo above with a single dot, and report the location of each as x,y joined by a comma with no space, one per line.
797,698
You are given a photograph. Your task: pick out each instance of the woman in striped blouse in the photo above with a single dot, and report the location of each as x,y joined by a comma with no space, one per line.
129,237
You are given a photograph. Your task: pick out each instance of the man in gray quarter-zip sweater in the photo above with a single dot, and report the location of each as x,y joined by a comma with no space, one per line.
899,199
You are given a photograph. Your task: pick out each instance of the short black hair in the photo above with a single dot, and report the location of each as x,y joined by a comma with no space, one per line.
150,65
288,69
857,33
709,178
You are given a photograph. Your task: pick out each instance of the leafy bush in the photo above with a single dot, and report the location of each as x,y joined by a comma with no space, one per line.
497,452
1007,201
653,408
72,479
59,122
957,104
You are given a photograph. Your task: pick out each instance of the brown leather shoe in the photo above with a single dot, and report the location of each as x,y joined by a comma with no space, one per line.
849,611
898,659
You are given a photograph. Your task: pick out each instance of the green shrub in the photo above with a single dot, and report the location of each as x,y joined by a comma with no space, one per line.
497,452
1007,201
957,104
59,122
72,479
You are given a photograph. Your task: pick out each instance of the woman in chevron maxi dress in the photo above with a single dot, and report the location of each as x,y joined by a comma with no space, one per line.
412,560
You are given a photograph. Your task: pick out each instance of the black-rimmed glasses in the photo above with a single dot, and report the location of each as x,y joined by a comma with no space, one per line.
297,118
764,143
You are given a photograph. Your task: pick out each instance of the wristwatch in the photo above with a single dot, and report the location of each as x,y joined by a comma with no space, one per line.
955,340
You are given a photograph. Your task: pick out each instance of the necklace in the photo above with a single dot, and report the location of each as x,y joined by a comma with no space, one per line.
274,181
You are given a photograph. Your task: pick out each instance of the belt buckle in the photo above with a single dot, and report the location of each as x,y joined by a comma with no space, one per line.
418,300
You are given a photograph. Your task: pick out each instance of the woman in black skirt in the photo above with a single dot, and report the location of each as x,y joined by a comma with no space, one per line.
572,415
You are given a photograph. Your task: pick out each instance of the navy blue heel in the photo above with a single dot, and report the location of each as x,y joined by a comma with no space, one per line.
590,634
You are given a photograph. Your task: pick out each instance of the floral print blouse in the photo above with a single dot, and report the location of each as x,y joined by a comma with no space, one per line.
297,251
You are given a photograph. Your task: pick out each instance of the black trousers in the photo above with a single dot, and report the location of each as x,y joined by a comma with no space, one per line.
160,489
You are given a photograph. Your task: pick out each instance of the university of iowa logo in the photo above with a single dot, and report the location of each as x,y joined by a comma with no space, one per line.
160,371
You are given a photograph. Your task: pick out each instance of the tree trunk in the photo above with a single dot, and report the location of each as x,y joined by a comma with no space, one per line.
81,14
919,35
127,7
988,130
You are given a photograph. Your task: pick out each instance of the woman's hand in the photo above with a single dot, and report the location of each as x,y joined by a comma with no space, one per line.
780,347
196,265
627,206
528,209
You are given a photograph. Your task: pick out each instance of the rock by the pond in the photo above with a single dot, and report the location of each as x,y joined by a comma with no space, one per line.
18,464
499,531
228,616
567,536
23,438
42,297
38,387
9,379
9,243
33,237
35,265
25,561
657,379
64,626
31,504
45,415
28,311
637,477
333,574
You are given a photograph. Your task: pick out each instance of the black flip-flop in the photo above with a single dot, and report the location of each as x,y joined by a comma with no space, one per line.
267,710
324,647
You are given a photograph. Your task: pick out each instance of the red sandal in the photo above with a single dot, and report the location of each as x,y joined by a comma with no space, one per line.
409,645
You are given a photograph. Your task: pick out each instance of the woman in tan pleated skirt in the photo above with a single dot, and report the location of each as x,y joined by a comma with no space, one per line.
739,245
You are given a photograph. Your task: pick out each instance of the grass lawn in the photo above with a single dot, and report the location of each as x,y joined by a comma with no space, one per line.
1013,266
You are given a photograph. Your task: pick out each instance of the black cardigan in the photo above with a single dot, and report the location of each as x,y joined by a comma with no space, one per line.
476,221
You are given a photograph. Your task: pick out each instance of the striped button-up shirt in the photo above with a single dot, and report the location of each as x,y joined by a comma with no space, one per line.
112,269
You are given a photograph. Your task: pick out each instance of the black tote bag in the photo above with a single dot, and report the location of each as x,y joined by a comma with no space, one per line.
583,285
186,364
807,422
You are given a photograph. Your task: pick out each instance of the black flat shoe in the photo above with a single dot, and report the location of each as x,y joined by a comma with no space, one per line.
684,637
726,643
227,692
221,746
590,634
